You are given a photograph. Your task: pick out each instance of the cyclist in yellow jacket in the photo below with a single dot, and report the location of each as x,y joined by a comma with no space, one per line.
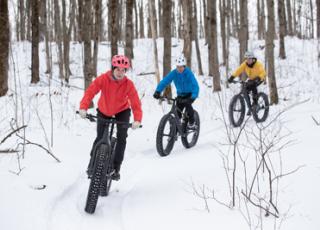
253,71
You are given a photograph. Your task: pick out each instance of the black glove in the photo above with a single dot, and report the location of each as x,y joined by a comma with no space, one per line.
257,81
156,95
230,80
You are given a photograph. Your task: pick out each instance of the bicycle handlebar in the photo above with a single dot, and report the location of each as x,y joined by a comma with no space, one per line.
112,120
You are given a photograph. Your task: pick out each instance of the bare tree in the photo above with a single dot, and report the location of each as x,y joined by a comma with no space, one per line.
318,29
195,36
58,33
261,19
223,15
35,42
187,32
87,67
166,17
113,6
213,45
205,20
153,24
270,54
4,46
160,14
97,34
289,17
282,28
136,31
243,30
141,20
22,25
129,29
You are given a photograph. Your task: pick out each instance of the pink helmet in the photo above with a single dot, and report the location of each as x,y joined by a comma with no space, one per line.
120,61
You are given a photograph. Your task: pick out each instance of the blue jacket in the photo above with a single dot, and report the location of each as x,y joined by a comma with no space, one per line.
185,83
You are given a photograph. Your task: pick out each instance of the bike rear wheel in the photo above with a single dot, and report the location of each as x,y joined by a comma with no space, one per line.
95,183
190,137
166,135
260,111
237,109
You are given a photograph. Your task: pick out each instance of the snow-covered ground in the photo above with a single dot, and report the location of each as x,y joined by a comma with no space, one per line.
154,192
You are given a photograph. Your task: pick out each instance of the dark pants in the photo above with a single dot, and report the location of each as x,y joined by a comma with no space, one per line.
252,87
189,110
122,133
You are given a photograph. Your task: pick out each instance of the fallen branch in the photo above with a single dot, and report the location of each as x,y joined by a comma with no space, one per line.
4,151
315,121
40,146
10,134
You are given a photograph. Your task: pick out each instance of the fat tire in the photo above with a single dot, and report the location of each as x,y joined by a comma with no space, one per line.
234,100
184,138
165,150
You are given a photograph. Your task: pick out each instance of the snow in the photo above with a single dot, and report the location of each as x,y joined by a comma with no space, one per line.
157,192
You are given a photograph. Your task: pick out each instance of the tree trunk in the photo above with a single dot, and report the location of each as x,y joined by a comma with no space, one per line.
195,38
46,35
153,24
28,16
97,33
289,17
243,30
160,17
311,20
206,21
87,67
222,5
261,19
58,33
187,32
129,30
4,46
136,30
35,42
282,28
22,20
318,29
213,45
270,53
166,17
141,20
113,6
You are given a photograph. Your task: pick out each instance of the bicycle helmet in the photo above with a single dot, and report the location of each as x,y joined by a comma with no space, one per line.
181,60
249,54
120,61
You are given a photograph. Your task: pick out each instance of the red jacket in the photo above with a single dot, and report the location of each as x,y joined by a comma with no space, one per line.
116,96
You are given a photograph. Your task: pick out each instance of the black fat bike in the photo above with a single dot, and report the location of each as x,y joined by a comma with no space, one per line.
237,106
100,169
171,126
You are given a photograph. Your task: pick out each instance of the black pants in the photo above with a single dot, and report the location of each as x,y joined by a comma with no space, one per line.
122,133
252,87
189,110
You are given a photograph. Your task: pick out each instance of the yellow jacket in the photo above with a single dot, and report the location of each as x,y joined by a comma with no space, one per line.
257,70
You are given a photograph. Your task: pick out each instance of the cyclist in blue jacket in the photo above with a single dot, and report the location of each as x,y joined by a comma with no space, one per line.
186,85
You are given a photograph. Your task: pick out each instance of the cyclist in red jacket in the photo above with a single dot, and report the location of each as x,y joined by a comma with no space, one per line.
118,97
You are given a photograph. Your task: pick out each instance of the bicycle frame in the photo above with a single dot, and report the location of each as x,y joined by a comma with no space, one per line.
174,112
245,94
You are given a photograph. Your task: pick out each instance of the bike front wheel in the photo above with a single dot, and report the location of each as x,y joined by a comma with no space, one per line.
107,180
260,111
237,109
166,135
97,176
191,135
